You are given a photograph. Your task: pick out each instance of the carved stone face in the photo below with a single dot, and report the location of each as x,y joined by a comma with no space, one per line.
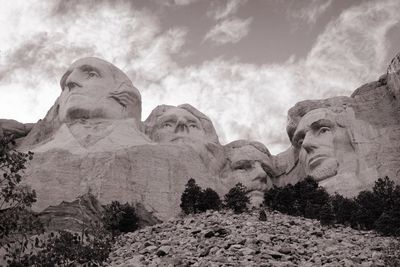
177,125
91,89
321,142
250,167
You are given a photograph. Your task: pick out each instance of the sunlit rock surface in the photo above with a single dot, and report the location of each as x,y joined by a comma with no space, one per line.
345,143
94,140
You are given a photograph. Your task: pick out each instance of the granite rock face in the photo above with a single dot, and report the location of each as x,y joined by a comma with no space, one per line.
345,143
251,164
393,77
93,140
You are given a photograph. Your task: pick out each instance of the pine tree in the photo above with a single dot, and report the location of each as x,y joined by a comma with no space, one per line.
191,197
237,199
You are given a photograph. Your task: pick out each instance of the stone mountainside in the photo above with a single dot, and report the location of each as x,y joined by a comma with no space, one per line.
227,239
93,140
371,119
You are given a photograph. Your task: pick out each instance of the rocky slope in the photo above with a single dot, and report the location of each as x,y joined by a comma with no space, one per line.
227,239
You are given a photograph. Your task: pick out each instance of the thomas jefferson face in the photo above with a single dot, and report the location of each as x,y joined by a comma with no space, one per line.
177,125
87,91
321,142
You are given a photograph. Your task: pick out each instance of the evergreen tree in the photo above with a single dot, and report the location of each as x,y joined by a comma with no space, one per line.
209,200
237,199
120,218
191,197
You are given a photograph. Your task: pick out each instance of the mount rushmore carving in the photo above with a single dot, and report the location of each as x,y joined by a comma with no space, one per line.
93,139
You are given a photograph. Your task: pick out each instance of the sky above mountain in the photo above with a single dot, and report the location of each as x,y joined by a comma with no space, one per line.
242,63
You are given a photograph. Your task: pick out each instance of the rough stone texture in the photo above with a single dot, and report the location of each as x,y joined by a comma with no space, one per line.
227,239
75,215
368,122
185,125
393,76
15,128
84,212
251,164
154,175
92,139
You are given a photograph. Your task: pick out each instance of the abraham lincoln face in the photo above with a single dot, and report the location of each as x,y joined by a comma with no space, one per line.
321,141
93,88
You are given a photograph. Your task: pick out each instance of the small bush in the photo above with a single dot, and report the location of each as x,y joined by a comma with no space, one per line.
237,199
209,200
344,210
68,249
190,198
196,200
120,218
326,215
302,199
376,209
369,209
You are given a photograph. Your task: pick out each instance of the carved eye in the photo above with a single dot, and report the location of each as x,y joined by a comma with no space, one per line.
323,130
92,74
194,126
167,125
243,165
299,142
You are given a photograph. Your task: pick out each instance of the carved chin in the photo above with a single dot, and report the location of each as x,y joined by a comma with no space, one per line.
328,168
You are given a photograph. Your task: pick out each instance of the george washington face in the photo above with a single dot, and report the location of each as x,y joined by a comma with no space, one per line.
91,90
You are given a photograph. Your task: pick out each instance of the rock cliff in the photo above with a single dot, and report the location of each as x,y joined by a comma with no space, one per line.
94,140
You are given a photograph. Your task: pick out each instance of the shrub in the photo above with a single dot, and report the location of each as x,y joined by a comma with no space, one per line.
209,200
302,199
326,215
282,199
344,210
376,209
196,200
237,199
69,249
190,199
120,218
369,209
17,221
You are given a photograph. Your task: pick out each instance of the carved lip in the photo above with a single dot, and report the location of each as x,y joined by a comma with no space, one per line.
316,160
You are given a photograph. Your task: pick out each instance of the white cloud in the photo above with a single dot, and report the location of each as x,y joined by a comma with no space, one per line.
352,49
229,31
175,2
311,12
249,101
243,100
39,41
223,11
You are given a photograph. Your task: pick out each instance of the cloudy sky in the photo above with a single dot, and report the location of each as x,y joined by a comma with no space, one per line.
243,63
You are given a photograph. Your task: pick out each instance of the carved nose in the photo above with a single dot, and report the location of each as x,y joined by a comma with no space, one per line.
181,127
72,81
259,172
309,143
72,85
